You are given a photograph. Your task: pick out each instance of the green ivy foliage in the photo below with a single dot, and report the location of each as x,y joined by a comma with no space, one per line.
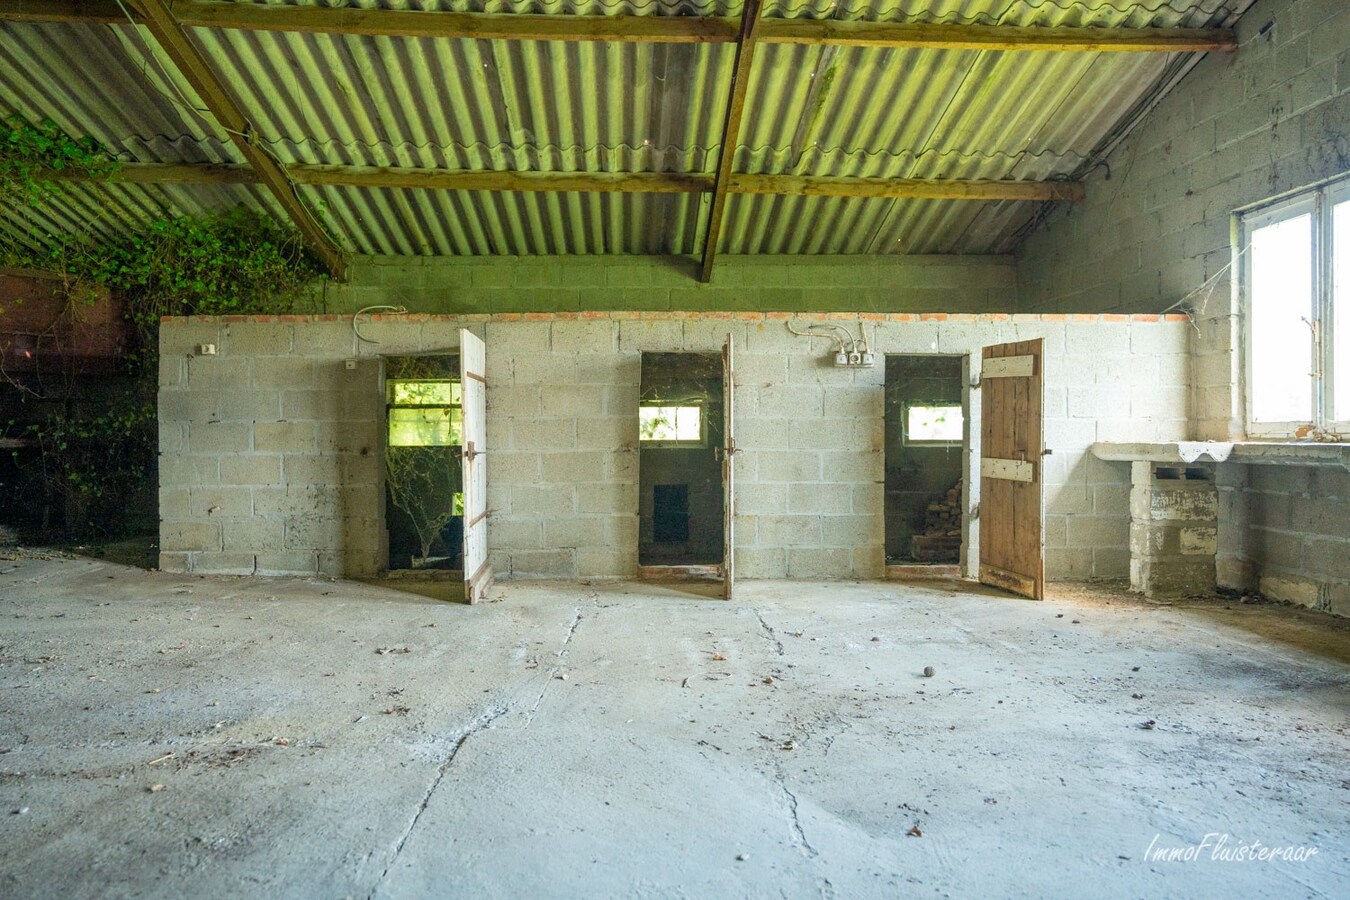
30,154
95,466
236,262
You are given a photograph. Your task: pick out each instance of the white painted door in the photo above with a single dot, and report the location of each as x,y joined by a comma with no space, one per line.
728,473
473,391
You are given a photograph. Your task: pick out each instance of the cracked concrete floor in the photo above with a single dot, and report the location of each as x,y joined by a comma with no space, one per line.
329,739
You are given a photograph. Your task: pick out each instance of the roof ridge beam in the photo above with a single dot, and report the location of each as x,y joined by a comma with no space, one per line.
663,29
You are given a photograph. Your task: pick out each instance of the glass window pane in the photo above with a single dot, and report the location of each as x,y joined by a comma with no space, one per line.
425,427
935,423
1340,262
670,423
424,393
1279,331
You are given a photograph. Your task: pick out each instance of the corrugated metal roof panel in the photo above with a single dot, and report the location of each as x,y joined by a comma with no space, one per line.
766,224
492,223
468,104
552,106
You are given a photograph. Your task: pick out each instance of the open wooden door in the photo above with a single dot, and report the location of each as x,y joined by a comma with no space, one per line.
473,391
1011,451
728,473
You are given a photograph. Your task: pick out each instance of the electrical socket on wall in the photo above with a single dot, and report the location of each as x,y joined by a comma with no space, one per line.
206,349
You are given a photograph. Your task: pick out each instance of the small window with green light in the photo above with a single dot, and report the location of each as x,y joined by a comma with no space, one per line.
671,425
424,413
934,424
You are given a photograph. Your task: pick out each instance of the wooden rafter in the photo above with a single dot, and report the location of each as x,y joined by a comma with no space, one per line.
731,133
911,188
174,41
668,29
599,182
996,37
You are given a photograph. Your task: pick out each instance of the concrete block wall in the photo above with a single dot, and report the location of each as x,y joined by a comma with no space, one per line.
1156,228
1283,531
649,283
270,450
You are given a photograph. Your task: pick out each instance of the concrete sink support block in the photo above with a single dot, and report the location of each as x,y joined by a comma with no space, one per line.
1173,528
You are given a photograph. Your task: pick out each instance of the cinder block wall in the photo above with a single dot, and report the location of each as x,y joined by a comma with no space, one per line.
654,283
270,450
1155,230
1285,532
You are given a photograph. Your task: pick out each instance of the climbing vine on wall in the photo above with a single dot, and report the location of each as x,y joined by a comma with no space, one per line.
237,261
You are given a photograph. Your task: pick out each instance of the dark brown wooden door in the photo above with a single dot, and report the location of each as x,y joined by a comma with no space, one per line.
728,473
1012,448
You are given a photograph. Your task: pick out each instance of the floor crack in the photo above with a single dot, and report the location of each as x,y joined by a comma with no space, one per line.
481,723
769,634
798,835
562,651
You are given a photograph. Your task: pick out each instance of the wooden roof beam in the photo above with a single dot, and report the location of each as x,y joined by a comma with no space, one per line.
600,182
668,29
906,188
159,20
941,36
731,133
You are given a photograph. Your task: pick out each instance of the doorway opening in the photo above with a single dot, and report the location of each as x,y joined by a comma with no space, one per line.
926,441
681,435
424,479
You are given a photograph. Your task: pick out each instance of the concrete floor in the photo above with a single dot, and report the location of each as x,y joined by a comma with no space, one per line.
328,739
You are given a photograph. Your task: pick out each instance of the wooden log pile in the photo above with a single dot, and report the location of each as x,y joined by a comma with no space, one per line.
941,538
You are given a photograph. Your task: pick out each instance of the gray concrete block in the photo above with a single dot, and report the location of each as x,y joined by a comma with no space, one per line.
253,535
283,437
538,500
589,336
259,338
544,563
324,340
250,469
219,563
189,536
819,562
224,502
651,335
296,562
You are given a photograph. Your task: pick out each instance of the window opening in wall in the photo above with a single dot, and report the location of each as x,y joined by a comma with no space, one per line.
680,432
424,502
925,460
671,424
933,423
1295,279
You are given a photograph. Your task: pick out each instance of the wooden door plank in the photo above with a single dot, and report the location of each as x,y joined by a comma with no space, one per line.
1011,531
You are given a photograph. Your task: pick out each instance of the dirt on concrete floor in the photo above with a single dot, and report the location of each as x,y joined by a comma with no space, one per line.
166,735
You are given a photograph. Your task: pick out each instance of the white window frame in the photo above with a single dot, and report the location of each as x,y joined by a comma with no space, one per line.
1319,202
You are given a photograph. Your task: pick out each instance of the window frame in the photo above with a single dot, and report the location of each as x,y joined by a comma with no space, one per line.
907,441
1319,202
390,404
700,405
